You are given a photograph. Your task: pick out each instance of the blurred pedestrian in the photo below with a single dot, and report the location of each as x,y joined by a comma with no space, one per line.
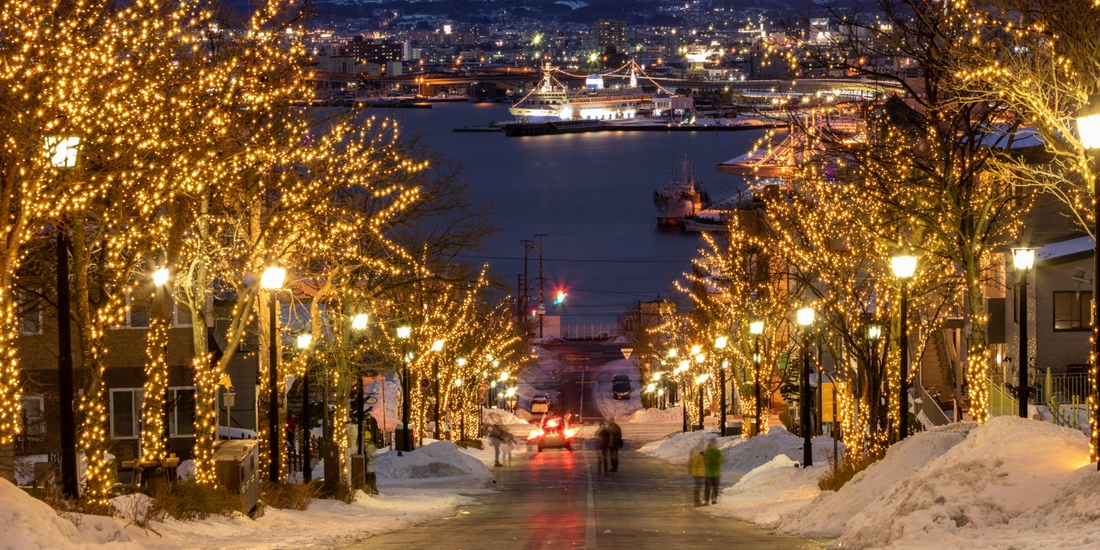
616,443
603,444
496,439
712,461
697,469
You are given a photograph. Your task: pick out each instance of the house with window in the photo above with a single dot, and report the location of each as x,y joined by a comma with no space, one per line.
124,376
1059,313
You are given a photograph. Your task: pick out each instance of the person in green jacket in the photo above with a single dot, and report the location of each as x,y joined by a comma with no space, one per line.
697,470
712,461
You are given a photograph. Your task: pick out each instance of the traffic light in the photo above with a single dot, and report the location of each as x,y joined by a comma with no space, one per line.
560,298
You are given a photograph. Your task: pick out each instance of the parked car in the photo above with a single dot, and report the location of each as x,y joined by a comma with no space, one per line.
540,403
553,433
620,386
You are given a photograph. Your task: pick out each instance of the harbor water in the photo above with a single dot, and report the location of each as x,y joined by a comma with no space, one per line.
591,194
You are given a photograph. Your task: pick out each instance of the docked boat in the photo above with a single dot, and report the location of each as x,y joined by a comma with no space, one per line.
550,101
681,198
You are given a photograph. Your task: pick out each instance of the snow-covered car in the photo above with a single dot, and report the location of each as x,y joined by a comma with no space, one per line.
553,433
540,403
620,386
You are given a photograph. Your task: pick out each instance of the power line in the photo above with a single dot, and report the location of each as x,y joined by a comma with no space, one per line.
477,257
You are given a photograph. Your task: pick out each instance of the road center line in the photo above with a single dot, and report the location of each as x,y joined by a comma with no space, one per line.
590,526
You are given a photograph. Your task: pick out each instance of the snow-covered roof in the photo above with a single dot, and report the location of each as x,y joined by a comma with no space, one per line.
1065,248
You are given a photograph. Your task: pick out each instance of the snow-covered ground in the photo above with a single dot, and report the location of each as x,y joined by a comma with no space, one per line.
1010,483
425,484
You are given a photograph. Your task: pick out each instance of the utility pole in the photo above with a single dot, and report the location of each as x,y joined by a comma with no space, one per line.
528,246
542,308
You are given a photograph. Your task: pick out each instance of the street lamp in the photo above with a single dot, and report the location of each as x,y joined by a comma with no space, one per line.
272,280
1088,128
359,322
437,346
1024,259
756,328
403,333
805,319
874,334
62,152
720,344
699,358
304,340
904,266
681,369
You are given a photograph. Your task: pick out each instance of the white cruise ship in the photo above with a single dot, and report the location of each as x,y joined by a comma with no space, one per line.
550,101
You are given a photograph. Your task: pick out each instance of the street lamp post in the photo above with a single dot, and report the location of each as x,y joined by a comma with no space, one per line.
1024,259
403,332
304,340
700,358
682,369
437,346
272,280
720,344
756,328
62,152
359,322
805,319
1088,127
874,334
903,266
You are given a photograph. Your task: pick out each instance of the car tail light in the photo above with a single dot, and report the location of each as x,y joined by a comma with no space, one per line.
570,432
552,424
535,434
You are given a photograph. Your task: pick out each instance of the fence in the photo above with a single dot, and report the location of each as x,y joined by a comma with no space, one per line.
590,331
1062,398
1000,402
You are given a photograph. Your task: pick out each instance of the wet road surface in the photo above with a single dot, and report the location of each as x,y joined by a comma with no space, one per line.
558,499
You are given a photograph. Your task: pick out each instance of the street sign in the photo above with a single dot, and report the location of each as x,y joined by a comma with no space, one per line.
627,352
424,382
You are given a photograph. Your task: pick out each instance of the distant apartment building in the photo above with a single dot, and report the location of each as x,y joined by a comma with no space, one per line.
372,51
611,33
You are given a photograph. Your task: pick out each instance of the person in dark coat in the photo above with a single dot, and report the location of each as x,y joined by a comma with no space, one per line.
616,443
603,443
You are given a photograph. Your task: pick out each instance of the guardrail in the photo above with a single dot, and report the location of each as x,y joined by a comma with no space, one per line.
1001,403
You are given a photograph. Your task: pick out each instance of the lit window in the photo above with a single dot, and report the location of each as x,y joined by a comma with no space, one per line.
1071,311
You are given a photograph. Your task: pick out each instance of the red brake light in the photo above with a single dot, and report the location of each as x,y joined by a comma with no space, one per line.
552,424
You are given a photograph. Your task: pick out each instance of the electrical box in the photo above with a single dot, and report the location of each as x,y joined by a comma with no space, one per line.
236,466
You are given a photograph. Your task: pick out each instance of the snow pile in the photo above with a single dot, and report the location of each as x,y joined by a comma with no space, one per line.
499,416
28,523
770,492
675,449
438,459
743,455
828,515
652,416
1002,470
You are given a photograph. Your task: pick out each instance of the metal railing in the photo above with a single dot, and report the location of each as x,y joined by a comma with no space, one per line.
590,331
931,408
1001,403
1065,387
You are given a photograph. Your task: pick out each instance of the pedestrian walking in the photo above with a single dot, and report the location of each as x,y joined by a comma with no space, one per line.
496,439
616,443
603,444
698,471
712,462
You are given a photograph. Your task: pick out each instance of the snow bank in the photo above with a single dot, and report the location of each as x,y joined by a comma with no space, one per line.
675,449
500,416
743,455
831,511
28,523
652,416
435,460
1003,469
771,492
